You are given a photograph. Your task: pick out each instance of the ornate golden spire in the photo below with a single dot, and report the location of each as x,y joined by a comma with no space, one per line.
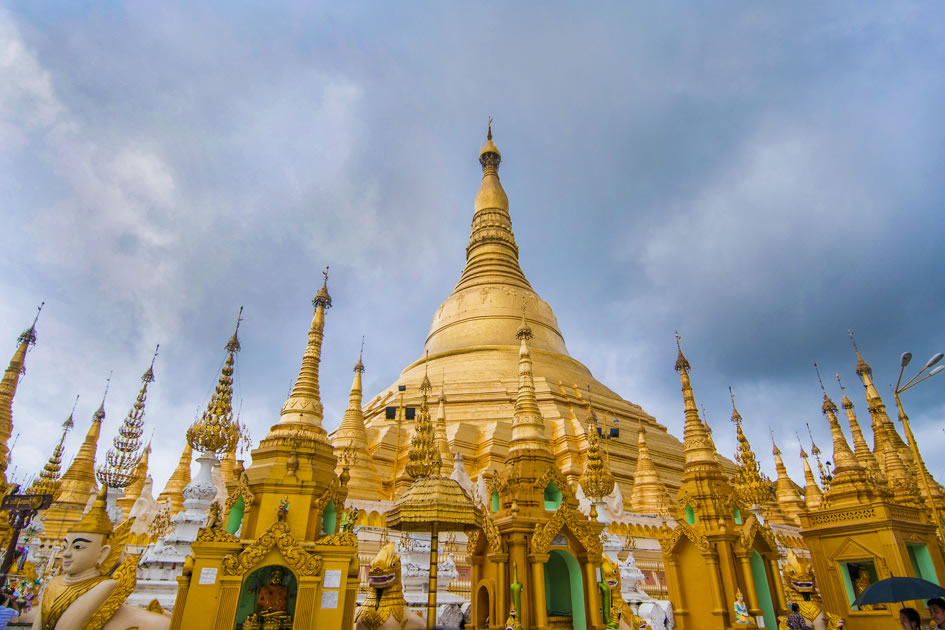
214,432
76,484
48,481
303,409
350,445
849,484
528,429
8,385
174,488
596,479
491,254
649,495
442,443
423,458
789,501
121,461
813,497
127,500
751,486
697,443
862,450
96,520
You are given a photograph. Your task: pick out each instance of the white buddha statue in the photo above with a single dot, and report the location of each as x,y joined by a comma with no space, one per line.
84,597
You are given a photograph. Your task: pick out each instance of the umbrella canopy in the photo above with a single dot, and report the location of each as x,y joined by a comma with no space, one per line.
898,589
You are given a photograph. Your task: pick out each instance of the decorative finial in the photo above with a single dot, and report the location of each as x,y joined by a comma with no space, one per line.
736,417
100,414
29,335
524,332
853,339
148,376
69,423
803,453
820,380
233,345
489,135
681,362
813,446
425,385
359,366
322,296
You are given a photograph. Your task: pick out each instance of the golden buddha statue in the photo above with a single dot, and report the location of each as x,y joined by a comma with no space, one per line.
272,605
861,584
84,597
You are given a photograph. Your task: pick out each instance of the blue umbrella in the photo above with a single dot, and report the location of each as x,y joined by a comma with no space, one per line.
898,589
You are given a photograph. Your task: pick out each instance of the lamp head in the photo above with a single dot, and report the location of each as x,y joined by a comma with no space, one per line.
905,359
935,359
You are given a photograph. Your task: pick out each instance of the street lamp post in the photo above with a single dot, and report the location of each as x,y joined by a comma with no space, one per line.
899,389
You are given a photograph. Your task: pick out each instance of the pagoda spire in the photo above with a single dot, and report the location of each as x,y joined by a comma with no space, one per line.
48,481
892,455
133,491
350,444
697,443
122,460
215,432
77,483
442,442
648,495
528,430
173,491
861,449
788,499
596,479
751,486
303,409
491,254
8,383
849,484
813,497
423,458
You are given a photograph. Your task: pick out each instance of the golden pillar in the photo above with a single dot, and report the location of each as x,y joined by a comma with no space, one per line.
754,608
718,600
517,558
593,594
501,560
538,587
431,588
778,586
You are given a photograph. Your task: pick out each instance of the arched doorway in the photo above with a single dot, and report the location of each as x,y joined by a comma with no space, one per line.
255,581
483,608
564,588
760,577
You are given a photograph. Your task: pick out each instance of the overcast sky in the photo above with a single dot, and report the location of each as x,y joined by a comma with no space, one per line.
759,177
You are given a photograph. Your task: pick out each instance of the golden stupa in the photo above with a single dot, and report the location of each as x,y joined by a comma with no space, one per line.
471,350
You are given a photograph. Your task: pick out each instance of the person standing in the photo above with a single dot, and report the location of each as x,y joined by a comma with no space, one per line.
936,607
910,620
795,621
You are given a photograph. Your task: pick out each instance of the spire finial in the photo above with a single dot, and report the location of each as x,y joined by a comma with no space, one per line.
29,335
359,366
736,417
803,452
489,135
148,376
820,380
853,339
425,385
322,296
233,345
813,445
681,362
524,332
100,414
69,423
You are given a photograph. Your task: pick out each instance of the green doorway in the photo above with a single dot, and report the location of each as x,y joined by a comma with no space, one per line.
564,588
760,577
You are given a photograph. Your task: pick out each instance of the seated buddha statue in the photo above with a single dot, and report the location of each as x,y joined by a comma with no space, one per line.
272,604
741,610
84,597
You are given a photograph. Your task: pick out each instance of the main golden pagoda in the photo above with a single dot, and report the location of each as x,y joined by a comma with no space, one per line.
471,350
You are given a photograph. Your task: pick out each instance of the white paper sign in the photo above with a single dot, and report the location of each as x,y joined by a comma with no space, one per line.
329,599
332,579
207,576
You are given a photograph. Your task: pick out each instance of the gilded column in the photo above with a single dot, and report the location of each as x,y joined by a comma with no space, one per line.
538,588
778,586
712,563
593,593
517,558
754,609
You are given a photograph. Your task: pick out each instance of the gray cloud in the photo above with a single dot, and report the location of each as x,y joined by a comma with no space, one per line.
759,178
